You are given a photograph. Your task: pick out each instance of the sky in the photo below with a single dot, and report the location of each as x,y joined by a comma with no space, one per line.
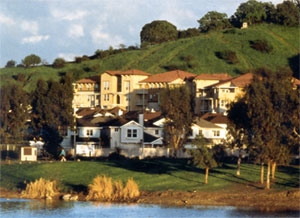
71,28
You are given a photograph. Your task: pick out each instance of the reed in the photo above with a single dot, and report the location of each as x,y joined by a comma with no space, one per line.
41,189
104,189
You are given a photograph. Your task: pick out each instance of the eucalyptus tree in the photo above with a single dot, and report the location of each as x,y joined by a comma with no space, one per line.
14,112
272,117
202,156
52,111
238,125
176,107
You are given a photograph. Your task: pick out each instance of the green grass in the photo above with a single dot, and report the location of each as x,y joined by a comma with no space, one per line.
202,49
150,175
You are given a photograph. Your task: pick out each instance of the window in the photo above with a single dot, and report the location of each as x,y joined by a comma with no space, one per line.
216,133
106,97
119,83
156,132
89,132
116,130
131,133
127,85
106,85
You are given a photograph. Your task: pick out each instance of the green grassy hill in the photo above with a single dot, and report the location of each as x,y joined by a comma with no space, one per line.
196,55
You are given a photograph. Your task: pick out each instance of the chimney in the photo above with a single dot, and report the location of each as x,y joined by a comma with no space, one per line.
141,119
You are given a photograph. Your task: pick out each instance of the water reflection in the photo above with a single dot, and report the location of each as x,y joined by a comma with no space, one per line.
40,208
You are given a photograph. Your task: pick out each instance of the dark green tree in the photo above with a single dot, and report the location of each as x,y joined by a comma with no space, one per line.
238,125
272,109
214,20
288,14
202,156
52,111
31,60
13,114
175,104
59,63
158,31
10,63
251,12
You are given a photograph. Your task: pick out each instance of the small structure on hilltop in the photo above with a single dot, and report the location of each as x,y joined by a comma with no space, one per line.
245,25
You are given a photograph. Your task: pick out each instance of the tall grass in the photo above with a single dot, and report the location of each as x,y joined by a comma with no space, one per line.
41,189
103,189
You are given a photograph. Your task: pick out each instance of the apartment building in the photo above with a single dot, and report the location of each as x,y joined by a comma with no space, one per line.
155,83
202,101
216,97
87,92
122,89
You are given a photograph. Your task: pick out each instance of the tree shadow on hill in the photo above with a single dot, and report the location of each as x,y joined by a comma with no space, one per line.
152,165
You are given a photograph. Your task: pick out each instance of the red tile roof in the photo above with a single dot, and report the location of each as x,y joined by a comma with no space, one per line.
238,81
92,79
127,72
215,118
169,76
215,76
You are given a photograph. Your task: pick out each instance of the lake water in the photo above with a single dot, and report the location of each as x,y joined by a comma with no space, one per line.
36,208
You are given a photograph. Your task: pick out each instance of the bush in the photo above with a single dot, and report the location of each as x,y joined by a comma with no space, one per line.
261,45
103,189
40,189
228,56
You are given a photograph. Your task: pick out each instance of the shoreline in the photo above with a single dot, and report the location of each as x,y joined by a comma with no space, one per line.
264,200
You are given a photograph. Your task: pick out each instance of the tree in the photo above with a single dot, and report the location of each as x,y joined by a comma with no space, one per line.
202,156
13,114
157,32
52,120
10,63
31,60
287,13
272,109
213,20
59,63
251,12
237,129
176,108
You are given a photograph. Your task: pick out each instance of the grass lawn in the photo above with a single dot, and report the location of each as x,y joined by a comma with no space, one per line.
150,175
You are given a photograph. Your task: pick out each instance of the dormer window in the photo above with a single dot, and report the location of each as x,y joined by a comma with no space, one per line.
131,133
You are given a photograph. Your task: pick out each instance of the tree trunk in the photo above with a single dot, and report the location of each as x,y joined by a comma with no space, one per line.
268,174
262,169
273,169
238,169
206,175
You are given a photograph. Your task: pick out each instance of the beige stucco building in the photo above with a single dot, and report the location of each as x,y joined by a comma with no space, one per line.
122,89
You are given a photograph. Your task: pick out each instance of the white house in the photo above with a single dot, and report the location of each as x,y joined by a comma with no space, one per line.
214,133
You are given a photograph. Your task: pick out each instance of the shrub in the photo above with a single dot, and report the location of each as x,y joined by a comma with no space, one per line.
103,189
261,45
131,189
228,56
40,189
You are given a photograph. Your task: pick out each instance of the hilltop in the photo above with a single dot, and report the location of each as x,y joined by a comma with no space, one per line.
196,55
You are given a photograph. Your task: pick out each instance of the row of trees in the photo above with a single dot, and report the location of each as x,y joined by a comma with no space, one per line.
265,119
253,12
46,113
